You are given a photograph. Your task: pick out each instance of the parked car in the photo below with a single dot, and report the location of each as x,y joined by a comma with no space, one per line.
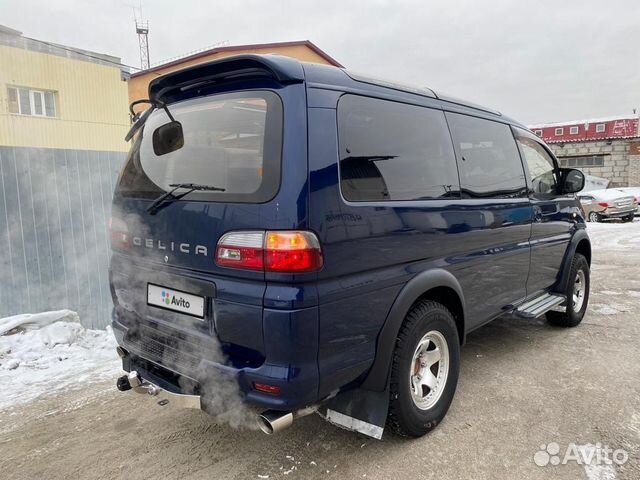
635,191
600,205
325,242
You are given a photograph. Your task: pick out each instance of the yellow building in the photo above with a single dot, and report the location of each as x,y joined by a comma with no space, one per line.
303,50
55,96
63,118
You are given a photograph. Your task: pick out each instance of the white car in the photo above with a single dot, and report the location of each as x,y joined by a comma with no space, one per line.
599,205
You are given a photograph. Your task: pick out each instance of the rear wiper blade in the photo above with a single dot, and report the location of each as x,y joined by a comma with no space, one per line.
170,196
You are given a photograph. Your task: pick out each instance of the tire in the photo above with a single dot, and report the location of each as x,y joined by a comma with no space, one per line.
572,317
628,218
433,320
594,217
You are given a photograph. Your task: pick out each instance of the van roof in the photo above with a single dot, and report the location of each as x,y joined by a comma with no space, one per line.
289,70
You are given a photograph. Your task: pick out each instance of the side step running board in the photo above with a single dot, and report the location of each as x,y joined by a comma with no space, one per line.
539,305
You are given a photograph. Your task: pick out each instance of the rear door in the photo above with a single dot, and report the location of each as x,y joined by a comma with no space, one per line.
554,215
234,140
588,204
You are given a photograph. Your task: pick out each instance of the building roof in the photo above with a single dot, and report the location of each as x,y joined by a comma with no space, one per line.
15,38
590,129
240,48
586,121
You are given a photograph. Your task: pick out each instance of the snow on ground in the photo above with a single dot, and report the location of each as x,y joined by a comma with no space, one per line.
613,235
45,353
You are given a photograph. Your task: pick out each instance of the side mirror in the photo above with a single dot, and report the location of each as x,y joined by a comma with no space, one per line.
168,138
572,180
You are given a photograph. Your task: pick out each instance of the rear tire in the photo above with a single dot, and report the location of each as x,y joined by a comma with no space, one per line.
577,293
425,369
594,217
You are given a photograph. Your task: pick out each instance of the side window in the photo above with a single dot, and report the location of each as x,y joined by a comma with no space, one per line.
488,158
540,165
394,151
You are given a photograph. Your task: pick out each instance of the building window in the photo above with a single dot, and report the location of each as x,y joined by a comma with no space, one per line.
538,133
559,131
39,103
573,130
600,127
583,161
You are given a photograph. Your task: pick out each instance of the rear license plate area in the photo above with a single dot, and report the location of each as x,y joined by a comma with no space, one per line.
166,298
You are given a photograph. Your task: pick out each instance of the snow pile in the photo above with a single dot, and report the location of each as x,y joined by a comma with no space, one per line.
30,321
49,352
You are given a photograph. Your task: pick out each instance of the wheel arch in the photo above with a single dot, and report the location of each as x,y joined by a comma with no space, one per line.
581,244
584,248
438,285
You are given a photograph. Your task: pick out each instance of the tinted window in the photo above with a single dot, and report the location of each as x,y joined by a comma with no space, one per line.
540,165
489,162
394,151
232,141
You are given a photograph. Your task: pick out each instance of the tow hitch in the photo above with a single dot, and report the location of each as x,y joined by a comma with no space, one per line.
134,382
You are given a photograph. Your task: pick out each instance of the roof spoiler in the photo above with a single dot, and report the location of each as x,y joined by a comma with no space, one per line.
277,67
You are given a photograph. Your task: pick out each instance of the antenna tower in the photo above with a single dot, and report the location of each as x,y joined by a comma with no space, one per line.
142,29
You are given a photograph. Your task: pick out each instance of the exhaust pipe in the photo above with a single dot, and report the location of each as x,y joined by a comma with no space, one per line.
272,421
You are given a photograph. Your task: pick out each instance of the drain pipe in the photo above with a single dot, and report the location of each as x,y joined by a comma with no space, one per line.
272,421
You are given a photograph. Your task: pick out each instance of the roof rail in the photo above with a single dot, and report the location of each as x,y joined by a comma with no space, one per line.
464,103
359,77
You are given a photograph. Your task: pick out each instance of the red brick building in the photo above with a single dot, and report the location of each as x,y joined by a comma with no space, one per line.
603,147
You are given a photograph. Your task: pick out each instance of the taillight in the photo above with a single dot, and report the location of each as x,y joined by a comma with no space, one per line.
241,250
272,251
118,233
604,204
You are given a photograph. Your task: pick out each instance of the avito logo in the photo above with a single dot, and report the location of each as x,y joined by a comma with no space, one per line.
173,300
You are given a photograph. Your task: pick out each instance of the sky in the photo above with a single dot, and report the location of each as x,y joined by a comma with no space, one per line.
537,61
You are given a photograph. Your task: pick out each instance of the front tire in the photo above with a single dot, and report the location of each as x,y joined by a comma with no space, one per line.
628,218
425,370
577,293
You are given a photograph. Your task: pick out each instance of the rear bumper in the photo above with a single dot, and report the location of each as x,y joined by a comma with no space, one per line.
611,213
290,363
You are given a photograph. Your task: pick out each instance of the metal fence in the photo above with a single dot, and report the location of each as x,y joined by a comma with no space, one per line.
54,244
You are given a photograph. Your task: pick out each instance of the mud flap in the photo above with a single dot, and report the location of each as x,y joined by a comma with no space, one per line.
358,410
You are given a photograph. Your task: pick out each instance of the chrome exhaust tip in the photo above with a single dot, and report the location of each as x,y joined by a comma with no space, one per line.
272,421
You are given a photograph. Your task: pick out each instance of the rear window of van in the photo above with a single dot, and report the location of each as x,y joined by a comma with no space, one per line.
232,141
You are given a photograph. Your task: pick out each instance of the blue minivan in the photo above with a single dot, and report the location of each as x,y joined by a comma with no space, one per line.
307,239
